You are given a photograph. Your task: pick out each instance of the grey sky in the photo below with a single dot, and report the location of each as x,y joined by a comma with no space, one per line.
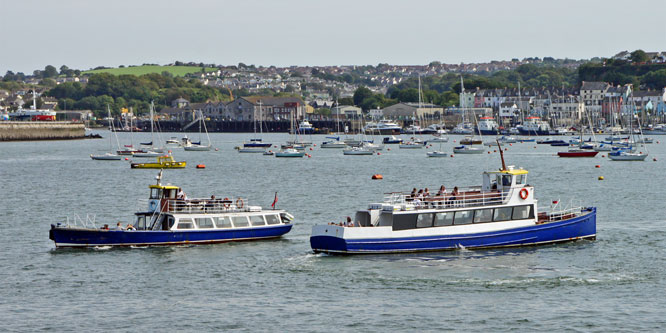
84,33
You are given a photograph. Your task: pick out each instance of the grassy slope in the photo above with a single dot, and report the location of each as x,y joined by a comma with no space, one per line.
140,70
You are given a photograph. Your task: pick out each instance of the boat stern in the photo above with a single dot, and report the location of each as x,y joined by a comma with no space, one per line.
328,239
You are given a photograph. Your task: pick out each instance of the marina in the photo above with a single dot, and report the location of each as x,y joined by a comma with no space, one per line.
620,262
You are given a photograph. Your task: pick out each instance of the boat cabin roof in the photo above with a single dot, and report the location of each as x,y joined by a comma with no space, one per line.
510,171
164,187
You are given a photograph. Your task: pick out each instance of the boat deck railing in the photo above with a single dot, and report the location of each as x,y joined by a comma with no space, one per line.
205,206
560,212
466,197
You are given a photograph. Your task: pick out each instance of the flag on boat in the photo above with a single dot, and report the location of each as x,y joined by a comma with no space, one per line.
274,201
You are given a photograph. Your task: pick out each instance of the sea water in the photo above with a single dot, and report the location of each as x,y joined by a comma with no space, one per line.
615,283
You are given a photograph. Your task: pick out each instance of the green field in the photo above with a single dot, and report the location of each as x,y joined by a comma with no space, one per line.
141,70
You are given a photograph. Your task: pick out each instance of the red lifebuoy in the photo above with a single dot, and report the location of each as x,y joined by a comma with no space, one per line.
523,194
226,203
239,203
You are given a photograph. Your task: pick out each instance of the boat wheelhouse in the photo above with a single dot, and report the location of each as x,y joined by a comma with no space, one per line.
488,126
535,126
501,212
383,127
170,220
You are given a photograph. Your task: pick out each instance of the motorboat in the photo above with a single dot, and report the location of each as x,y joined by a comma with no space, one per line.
436,153
106,157
357,151
382,127
163,162
304,127
487,126
333,142
290,152
534,126
502,212
468,150
173,219
392,140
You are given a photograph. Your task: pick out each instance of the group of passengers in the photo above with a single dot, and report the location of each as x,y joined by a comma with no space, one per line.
423,196
347,223
119,226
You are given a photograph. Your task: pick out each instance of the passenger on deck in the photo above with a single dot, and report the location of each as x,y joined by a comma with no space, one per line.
119,226
105,227
130,227
349,222
181,195
441,192
454,194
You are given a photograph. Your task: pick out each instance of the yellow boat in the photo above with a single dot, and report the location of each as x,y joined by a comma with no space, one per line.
163,162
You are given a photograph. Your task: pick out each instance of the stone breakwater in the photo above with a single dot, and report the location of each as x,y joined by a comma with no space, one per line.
29,130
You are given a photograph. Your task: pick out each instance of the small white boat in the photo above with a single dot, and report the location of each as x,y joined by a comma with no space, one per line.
333,144
194,147
439,139
290,152
437,154
603,147
172,141
148,154
411,145
106,157
623,155
468,150
357,151
252,150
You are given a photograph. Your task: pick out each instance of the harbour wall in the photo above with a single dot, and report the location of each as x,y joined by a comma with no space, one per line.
33,130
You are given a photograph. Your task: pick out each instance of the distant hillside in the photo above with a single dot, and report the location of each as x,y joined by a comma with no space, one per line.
148,69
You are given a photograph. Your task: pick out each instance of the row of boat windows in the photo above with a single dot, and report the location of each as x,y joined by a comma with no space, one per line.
461,217
225,222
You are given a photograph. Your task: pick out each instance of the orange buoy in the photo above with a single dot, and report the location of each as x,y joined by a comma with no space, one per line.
378,153
389,149
314,144
310,148
597,166
489,152
217,149
654,159
505,149
494,150
126,159
451,155
201,166
377,176
603,155
510,144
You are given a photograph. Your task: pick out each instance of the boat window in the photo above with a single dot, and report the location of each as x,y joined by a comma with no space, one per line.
463,217
272,219
141,222
257,220
223,222
443,219
154,193
204,222
404,221
424,220
502,214
506,180
520,179
185,224
170,222
483,215
239,221
171,194
522,212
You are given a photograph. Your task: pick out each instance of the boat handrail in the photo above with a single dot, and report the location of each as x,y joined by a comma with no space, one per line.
559,212
471,196
205,206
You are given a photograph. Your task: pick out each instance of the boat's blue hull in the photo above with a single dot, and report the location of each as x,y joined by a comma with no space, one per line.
80,237
488,132
581,227
257,145
532,133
